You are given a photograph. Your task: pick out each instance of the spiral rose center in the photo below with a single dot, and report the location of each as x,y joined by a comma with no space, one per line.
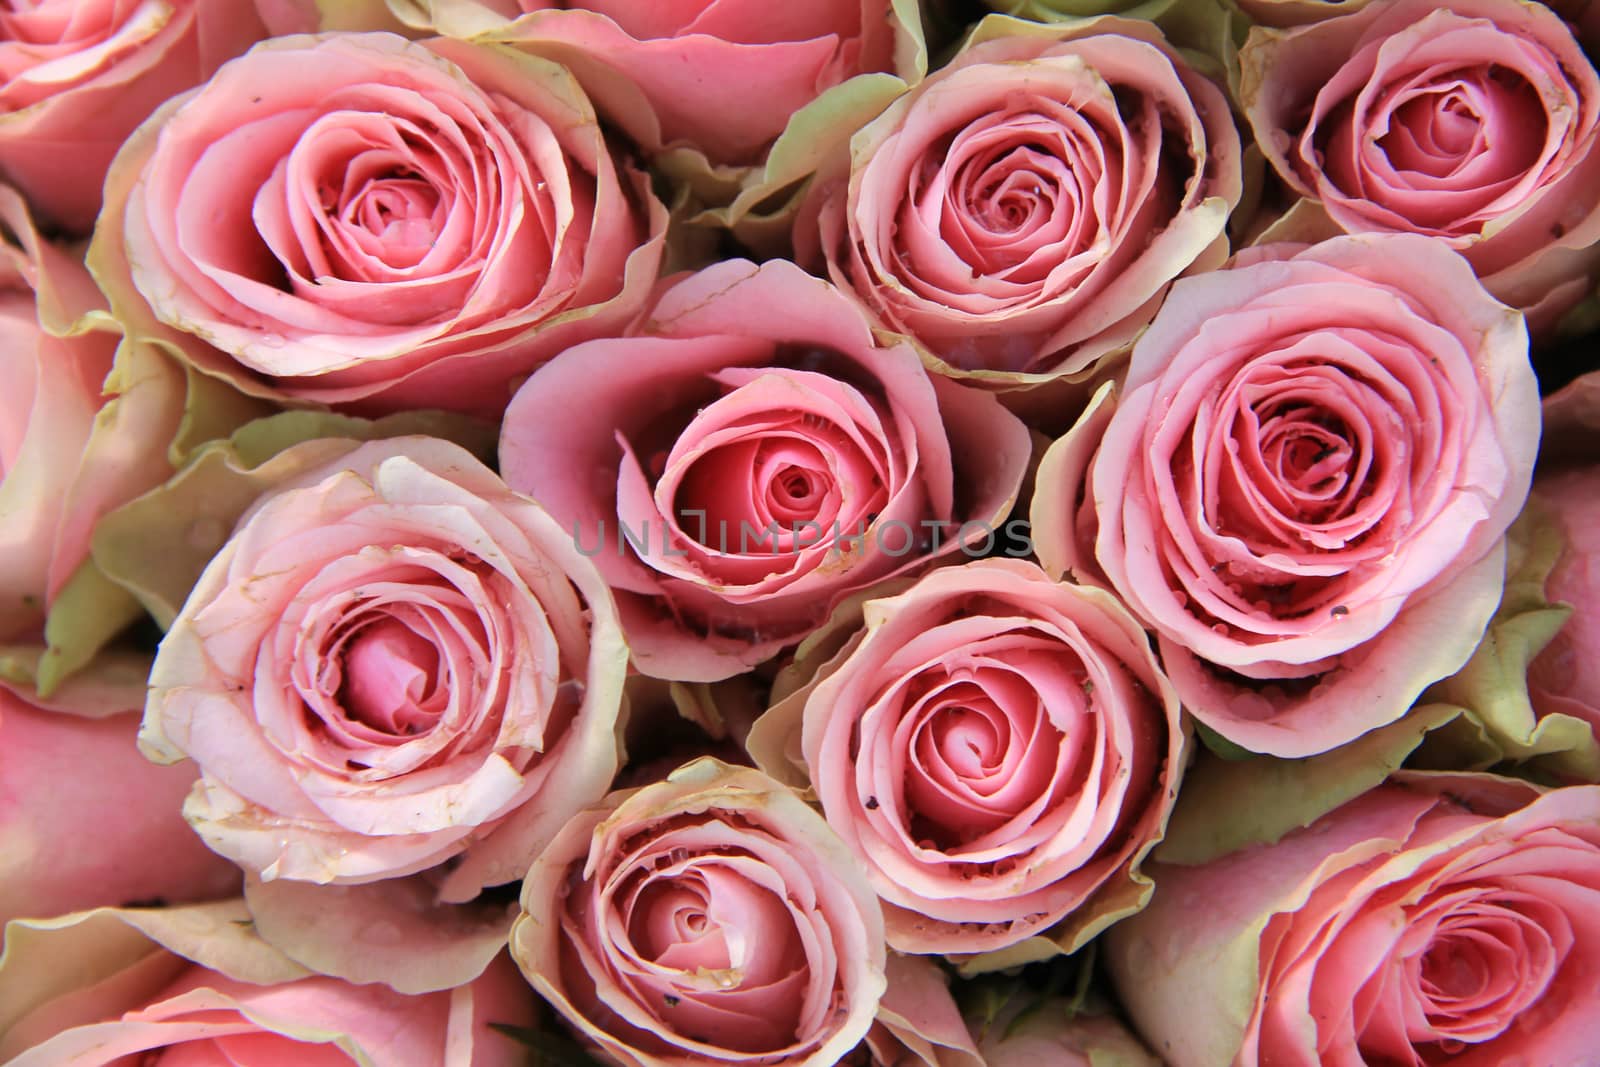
1432,132
1466,132
1475,965
720,947
778,490
391,679
796,493
1013,191
1310,456
966,741
1019,197
400,212
981,748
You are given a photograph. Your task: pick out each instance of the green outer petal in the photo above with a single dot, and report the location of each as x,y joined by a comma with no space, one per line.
113,683
1226,805
1208,31
355,16
156,545
1493,685
89,611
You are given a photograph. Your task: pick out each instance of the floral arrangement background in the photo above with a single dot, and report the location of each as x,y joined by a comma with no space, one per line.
844,531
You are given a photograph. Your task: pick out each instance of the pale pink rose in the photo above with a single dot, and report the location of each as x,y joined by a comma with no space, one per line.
1441,918
748,455
86,821
711,917
1021,212
358,220
1304,487
1565,677
58,475
76,77
995,747
205,1019
1476,122
394,662
721,76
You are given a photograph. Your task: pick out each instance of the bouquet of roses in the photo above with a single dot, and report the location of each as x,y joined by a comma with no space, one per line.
718,532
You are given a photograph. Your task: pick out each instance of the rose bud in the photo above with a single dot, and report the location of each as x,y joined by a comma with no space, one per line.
361,221
1304,487
711,917
998,750
1438,918
1021,212
749,455
1477,123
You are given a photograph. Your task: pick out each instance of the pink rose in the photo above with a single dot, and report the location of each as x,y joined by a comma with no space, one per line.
1439,918
64,460
363,221
995,748
1304,487
709,917
76,77
1021,212
1565,677
1477,123
721,76
94,993
86,821
394,664
748,455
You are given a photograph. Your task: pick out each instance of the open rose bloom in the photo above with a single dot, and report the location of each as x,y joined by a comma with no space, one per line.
359,220
1449,918
394,663
752,454
1304,484
999,751
710,917
1476,122
1021,212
